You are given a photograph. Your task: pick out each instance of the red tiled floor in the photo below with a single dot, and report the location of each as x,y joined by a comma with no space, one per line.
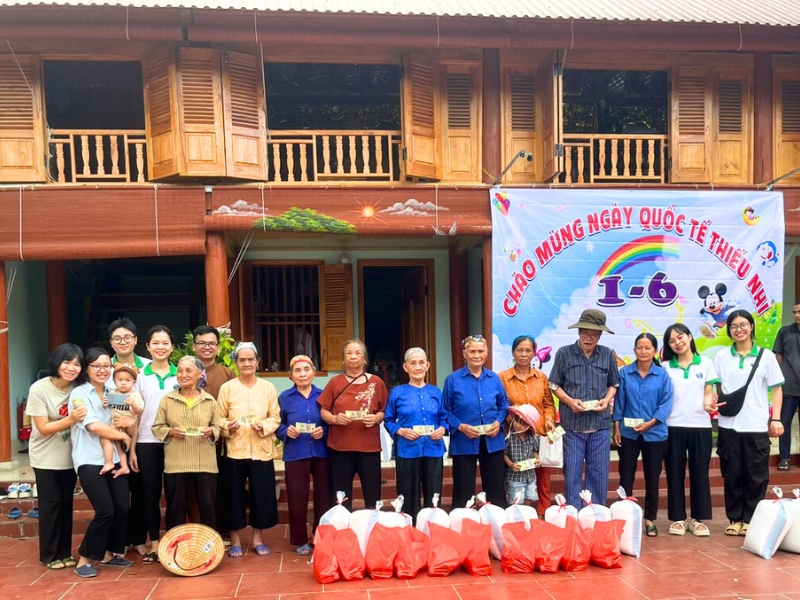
37,592
283,583
197,588
607,587
442,592
525,587
124,589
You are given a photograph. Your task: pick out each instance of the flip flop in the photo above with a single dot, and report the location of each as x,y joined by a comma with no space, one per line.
56,565
235,552
70,562
150,558
651,530
262,550
304,550
15,513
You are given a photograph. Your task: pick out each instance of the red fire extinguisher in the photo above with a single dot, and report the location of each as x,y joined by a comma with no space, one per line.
24,421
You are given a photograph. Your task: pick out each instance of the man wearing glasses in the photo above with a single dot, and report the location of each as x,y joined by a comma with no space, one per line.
584,379
122,335
206,347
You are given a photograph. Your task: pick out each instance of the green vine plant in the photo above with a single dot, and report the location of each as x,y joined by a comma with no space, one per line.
226,345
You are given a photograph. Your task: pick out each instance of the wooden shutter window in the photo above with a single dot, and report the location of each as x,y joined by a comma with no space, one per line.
790,107
420,110
692,105
459,96
197,87
730,106
422,93
21,122
160,89
523,103
245,121
336,313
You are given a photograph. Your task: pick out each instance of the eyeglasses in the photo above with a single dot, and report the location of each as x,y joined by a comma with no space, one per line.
120,339
206,344
740,326
473,338
100,367
592,335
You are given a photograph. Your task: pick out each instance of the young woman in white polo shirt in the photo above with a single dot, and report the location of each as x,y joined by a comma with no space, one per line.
689,428
743,444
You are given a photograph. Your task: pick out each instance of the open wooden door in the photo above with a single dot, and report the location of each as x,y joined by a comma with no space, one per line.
22,129
420,107
335,313
551,109
161,113
245,116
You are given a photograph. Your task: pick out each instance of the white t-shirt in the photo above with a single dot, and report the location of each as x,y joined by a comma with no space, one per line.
733,371
49,451
688,392
153,388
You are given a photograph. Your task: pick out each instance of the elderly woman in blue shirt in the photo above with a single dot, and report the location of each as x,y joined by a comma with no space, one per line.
476,405
643,403
416,419
305,453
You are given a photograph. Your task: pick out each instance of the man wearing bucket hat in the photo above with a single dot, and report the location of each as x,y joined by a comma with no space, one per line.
584,379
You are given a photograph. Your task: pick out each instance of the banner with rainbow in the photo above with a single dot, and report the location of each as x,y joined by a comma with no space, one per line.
646,258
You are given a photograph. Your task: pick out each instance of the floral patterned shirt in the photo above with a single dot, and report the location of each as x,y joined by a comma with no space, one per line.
363,394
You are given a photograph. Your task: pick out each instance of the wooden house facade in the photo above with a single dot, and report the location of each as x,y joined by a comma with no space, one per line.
310,166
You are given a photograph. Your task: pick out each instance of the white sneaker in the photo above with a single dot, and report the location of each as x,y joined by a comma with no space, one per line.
13,490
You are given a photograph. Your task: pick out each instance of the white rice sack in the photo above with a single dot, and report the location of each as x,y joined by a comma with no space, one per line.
628,510
769,525
432,515
591,513
459,515
791,542
496,517
558,513
362,522
521,513
338,516
397,518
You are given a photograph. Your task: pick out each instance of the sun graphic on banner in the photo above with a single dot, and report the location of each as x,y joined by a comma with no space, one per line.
368,211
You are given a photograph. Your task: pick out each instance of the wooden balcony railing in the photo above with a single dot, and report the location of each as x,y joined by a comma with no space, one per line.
98,156
326,156
615,158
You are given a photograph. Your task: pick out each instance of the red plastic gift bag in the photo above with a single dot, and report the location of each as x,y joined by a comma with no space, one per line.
447,550
326,569
579,547
382,548
412,554
550,543
605,544
348,555
519,554
477,537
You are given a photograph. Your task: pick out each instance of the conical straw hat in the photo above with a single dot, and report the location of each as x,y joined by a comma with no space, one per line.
190,550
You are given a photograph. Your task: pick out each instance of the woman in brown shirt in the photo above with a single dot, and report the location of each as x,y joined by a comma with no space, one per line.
526,385
353,404
187,422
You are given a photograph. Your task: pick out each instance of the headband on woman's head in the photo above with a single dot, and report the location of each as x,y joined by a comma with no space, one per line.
300,358
243,346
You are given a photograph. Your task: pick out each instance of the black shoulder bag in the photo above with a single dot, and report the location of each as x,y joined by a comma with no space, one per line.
735,400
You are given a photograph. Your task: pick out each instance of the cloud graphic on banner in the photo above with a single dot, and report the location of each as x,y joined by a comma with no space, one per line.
412,208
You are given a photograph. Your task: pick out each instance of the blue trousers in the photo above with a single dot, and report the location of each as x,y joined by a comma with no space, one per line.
594,451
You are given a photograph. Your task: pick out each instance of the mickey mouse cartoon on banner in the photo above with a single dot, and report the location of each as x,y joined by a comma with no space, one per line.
715,307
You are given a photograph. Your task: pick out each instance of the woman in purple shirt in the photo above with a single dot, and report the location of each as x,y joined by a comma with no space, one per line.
306,452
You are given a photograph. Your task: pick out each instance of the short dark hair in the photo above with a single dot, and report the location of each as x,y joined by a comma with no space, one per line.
203,330
745,315
159,329
518,340
121,323
667,352
65,352
95,352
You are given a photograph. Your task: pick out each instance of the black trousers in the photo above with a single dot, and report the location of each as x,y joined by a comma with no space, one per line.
176,488
259,476
137,524
415,475
345,465
298,487
652,459
744,463
223,487
147,500
55,488
493,471
693,443
109,498
788,408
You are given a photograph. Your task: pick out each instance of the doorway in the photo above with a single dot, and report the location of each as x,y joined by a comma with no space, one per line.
397,312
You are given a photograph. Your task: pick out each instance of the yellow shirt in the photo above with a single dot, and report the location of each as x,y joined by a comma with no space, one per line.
194,453
260,403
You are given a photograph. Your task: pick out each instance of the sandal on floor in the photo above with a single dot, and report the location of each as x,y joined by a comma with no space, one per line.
678,528
304,550
235,552
743,530
150,558
70,562
262,550
651,530
56,565
699,528
734,528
